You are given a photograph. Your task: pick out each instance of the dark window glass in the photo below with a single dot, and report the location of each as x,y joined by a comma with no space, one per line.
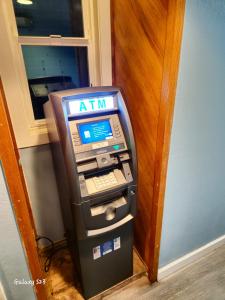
52,68
49,17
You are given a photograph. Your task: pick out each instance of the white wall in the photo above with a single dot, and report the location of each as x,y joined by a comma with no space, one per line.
194,211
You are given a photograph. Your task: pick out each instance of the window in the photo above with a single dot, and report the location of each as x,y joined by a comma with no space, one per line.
48,46
52,68
51,17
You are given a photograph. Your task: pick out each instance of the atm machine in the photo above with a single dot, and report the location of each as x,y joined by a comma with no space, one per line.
95,162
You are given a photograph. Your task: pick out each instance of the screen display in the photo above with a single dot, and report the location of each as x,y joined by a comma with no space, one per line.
95,131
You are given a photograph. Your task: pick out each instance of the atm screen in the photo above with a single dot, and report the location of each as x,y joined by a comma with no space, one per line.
95,131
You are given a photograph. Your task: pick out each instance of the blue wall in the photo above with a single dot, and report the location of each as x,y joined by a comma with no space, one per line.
12,260
194,211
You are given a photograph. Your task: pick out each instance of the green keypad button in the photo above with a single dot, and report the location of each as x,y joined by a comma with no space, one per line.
116,147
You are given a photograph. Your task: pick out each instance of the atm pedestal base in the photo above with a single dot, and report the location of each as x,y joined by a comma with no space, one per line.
105,260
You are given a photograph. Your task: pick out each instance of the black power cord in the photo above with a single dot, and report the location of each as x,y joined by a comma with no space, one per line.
52,251
48,260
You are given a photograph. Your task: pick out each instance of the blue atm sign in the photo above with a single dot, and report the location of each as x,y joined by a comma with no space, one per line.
91,105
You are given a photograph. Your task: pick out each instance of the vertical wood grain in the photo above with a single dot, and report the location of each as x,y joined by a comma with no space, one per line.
175,18
146,36
9,157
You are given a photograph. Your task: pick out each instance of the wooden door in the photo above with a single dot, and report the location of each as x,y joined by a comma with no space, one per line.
146,38
9,158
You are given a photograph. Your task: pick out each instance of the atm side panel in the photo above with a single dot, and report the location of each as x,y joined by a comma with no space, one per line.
127,126
59,167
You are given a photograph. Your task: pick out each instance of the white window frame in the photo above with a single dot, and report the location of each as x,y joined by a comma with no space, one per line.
97,38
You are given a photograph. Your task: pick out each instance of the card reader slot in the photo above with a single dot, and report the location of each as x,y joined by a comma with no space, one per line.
87,166
107,212
101,161
104,161
97,172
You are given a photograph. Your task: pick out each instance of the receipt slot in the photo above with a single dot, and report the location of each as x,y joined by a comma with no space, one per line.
95,162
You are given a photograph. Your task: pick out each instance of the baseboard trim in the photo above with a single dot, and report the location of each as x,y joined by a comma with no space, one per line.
189,258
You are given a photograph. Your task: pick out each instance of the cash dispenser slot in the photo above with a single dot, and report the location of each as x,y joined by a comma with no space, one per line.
108,211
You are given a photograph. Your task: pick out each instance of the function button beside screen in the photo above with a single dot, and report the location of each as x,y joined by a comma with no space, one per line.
75,134
76,141
117,130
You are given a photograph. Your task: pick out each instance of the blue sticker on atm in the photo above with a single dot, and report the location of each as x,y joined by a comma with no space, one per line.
106,248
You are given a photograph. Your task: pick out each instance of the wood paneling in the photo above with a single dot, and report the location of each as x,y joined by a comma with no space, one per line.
146,37
9,157
175,18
